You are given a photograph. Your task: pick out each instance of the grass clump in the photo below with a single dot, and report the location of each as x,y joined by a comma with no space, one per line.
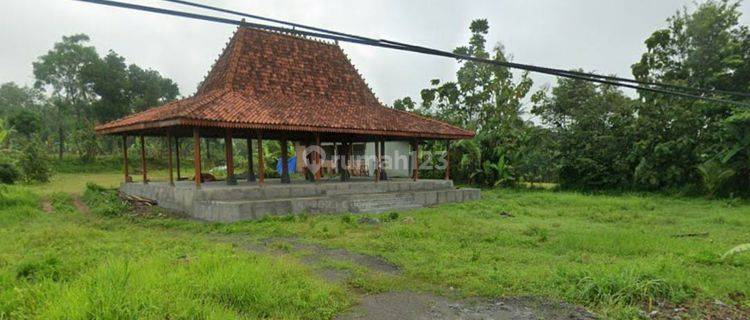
619,290
104,202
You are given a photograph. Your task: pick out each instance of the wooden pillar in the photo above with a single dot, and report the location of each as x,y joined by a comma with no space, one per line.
383,174
377,161
284,162
340,162
335,159
345,174
126,165
250,171
143,160
177,156
261,164
229,154
415,169
169,154
317,158
447,159
197,156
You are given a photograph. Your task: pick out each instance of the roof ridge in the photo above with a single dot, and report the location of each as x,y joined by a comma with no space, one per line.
292,33
235,56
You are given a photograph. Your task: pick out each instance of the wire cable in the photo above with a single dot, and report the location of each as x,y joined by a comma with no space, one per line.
405,47
585,74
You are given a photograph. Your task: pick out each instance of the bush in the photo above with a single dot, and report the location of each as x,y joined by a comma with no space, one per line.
104,202
393,216
626,288
9,174
34,163
86,144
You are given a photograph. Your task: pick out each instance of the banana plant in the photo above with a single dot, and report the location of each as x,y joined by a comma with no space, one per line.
714,175
3,132
6,132
503,172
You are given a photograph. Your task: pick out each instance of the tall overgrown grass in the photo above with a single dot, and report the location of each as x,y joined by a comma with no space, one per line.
616,254
63,265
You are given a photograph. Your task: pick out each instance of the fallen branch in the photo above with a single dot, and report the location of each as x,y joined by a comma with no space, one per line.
687,235
137,201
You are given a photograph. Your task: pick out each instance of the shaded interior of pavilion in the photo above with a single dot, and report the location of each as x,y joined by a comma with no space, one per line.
241,145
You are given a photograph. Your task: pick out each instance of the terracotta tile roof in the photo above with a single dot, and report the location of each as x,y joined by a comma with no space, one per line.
276,81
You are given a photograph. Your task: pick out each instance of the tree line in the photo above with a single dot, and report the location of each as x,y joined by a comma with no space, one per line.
588,136
75,88
576,134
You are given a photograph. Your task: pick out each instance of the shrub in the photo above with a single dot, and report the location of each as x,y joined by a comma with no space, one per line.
104,202
9,174
347,218
393,216
34,163
87,144
620,289
35,270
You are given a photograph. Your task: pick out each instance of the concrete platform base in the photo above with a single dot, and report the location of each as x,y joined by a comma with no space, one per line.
215,201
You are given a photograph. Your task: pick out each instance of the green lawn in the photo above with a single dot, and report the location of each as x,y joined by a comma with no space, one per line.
612,254
609,253
66,265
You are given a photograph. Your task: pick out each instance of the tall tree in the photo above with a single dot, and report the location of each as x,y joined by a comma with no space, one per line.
705,48
61,70
25,122
486,98
108,79
148,88
14,97
593,126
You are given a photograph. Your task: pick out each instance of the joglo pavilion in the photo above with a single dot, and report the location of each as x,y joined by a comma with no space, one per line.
278,86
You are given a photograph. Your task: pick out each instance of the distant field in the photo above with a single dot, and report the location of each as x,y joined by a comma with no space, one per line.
616,255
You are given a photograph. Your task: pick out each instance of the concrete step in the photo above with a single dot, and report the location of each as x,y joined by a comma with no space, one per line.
383,202
235,210
243,193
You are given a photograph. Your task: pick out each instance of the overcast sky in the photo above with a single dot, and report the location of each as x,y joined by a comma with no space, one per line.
605,36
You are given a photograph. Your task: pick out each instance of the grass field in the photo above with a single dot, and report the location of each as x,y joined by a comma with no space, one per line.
65,265
610,253
615,255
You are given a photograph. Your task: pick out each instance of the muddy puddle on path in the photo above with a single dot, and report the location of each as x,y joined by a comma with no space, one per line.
419,306
407,305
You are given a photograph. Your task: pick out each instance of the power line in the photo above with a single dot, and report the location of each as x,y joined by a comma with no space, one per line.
406,47
578,73
253,16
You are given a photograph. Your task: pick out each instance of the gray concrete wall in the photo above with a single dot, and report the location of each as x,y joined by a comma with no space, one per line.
218,202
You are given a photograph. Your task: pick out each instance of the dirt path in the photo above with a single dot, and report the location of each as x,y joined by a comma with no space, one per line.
46,205
405,305
421,306
80,206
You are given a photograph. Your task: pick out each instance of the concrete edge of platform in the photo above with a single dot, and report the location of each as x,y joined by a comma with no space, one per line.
230,204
